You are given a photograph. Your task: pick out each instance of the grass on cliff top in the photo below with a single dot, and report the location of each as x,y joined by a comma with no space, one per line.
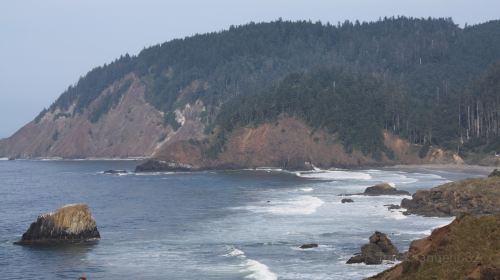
476,240
473,241
489,186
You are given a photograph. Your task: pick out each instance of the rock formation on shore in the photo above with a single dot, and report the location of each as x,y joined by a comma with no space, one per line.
163,166
495,173
70,223
475,196
465,249
379,249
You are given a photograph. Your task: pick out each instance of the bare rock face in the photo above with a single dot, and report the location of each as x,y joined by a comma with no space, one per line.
379,249
71,223
475,196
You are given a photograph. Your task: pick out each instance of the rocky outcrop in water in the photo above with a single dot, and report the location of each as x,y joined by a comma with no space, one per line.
163,166
347,200
309,246
475,196
384,189
71,223
115,172
379,249
465,249
381,189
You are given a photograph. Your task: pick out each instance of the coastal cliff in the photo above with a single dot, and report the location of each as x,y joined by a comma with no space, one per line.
465,249
474,196
298,94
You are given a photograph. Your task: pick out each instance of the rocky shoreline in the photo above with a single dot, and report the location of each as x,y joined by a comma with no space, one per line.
474,196
465,249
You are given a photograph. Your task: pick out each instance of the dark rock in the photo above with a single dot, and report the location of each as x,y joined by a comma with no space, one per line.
115,172
347,200
495,173
379,249
163,166
380,189
309,246
384,189
393,206
71,223
13,158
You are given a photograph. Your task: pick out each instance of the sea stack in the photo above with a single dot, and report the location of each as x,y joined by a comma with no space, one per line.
70,223
379,249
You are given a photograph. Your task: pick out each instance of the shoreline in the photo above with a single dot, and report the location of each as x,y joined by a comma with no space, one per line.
481,169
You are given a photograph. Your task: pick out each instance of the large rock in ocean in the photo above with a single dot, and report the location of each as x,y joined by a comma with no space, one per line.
384,189
474,196
379,249
71,223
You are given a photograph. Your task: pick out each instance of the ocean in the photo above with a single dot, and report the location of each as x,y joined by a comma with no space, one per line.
243,224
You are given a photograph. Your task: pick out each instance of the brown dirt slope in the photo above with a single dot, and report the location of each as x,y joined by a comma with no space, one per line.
290,143
130,129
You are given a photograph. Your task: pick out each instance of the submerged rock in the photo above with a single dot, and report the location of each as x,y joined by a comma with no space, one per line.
347,200
163,166
115,172
393,206
309,246
379,248
71,223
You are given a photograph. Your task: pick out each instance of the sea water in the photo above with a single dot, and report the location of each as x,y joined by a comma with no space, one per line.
206,225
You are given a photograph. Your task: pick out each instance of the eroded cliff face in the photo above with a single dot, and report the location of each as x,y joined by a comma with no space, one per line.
132,128
289,143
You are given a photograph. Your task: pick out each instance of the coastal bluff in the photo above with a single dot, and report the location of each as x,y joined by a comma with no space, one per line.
474,196
465,249
70,223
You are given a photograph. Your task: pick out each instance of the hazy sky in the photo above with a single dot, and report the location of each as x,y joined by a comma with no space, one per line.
46,45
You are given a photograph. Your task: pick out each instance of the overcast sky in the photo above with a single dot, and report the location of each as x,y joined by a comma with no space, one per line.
47,45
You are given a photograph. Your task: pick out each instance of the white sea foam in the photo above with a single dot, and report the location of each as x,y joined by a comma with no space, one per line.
410,232
4,158
234,253
307,189
258,271
335,175
301,205
254,269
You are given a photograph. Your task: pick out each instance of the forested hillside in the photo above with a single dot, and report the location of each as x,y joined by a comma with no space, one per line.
425,80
